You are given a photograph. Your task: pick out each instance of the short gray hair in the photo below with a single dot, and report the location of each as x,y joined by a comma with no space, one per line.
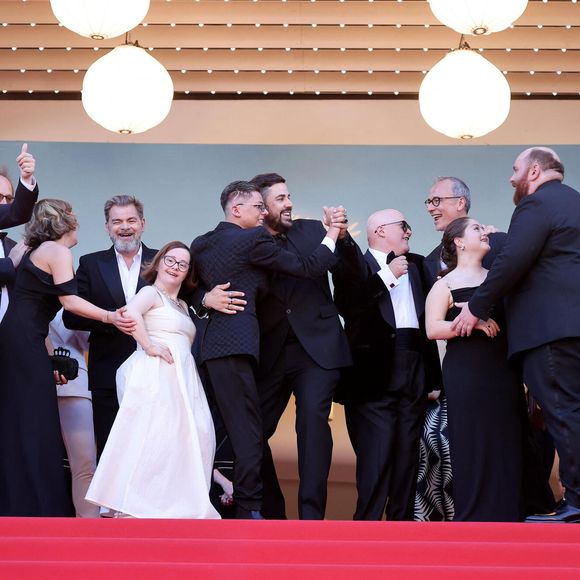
459,189
123,201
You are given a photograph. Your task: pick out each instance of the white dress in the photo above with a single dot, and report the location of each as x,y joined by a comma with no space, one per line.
158,460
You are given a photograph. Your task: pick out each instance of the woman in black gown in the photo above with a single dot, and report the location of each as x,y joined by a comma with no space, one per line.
485,397
32,476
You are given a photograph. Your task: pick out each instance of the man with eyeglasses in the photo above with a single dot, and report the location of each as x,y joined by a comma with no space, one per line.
109,279
14,213
302,348
385,391
243,253
448,200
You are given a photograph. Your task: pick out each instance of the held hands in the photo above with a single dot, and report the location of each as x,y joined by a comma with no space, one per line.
27,165
399,266
465,322
491,327
336,220
159,350
224,300
17,252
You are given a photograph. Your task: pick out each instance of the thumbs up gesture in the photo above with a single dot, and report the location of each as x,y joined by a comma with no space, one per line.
27,165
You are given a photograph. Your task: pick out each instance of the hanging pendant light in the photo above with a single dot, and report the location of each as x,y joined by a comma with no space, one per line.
477,16
127,90
100,19
464,95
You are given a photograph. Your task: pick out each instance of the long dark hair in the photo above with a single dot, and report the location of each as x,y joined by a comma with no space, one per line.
149,271
456,229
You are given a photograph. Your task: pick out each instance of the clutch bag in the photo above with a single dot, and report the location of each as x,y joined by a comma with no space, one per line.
63,363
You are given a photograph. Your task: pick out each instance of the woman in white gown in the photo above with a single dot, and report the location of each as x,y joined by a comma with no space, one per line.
158,459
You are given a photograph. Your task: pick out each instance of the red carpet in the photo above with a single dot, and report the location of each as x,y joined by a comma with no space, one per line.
66,549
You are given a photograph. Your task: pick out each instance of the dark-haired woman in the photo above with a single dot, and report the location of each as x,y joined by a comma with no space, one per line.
484,394
158,459
32,477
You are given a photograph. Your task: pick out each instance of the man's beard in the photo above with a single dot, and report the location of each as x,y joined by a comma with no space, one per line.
277,225
126,246
521,191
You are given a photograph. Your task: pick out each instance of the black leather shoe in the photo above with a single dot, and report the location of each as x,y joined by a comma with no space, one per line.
564,514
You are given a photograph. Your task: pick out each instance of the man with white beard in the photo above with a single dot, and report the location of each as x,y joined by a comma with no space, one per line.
109,279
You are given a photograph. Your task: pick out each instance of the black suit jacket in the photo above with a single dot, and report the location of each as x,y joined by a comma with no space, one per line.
19,211
305,305
15,214
99,282
7,269
538,270
243,257
365,304
432,263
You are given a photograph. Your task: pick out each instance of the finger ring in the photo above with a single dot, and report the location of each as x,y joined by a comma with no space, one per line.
230,294
231,301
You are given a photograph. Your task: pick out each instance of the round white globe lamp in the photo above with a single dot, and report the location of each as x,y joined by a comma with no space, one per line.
127,90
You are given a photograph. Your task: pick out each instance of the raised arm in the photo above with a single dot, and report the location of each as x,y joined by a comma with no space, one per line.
19,212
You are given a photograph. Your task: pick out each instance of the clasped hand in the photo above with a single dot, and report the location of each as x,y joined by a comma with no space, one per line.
335,217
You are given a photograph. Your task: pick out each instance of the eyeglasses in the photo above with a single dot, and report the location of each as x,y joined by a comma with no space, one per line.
259,206
6,197
435,201
404,226
170,261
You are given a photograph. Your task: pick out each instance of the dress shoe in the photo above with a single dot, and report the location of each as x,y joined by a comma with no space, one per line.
245,514
564,514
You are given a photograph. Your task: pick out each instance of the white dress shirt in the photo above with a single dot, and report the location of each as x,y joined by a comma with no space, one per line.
400,291
129,276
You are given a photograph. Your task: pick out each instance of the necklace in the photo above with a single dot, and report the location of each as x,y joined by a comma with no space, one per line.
176,303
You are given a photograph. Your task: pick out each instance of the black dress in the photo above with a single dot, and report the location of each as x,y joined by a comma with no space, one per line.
485,398
33,479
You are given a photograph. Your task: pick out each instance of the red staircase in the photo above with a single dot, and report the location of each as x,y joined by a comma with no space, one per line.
63,549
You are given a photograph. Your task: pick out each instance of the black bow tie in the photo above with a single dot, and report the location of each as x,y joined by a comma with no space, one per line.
3,235
390,257
281,239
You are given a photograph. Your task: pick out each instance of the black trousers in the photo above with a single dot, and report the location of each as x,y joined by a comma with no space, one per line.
105,407
295,372
234,388
552,373
385,436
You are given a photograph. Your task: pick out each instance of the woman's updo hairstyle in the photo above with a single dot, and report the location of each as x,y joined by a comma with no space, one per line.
51,219
456,229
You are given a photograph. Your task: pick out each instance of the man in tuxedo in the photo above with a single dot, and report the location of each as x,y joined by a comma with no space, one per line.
385,391
538,272
14,213
109,279
242,252
302,348
448,200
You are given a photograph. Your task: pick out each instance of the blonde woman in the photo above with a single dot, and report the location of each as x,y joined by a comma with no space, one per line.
32,476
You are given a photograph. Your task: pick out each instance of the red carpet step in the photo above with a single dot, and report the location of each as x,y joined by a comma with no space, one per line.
54,548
